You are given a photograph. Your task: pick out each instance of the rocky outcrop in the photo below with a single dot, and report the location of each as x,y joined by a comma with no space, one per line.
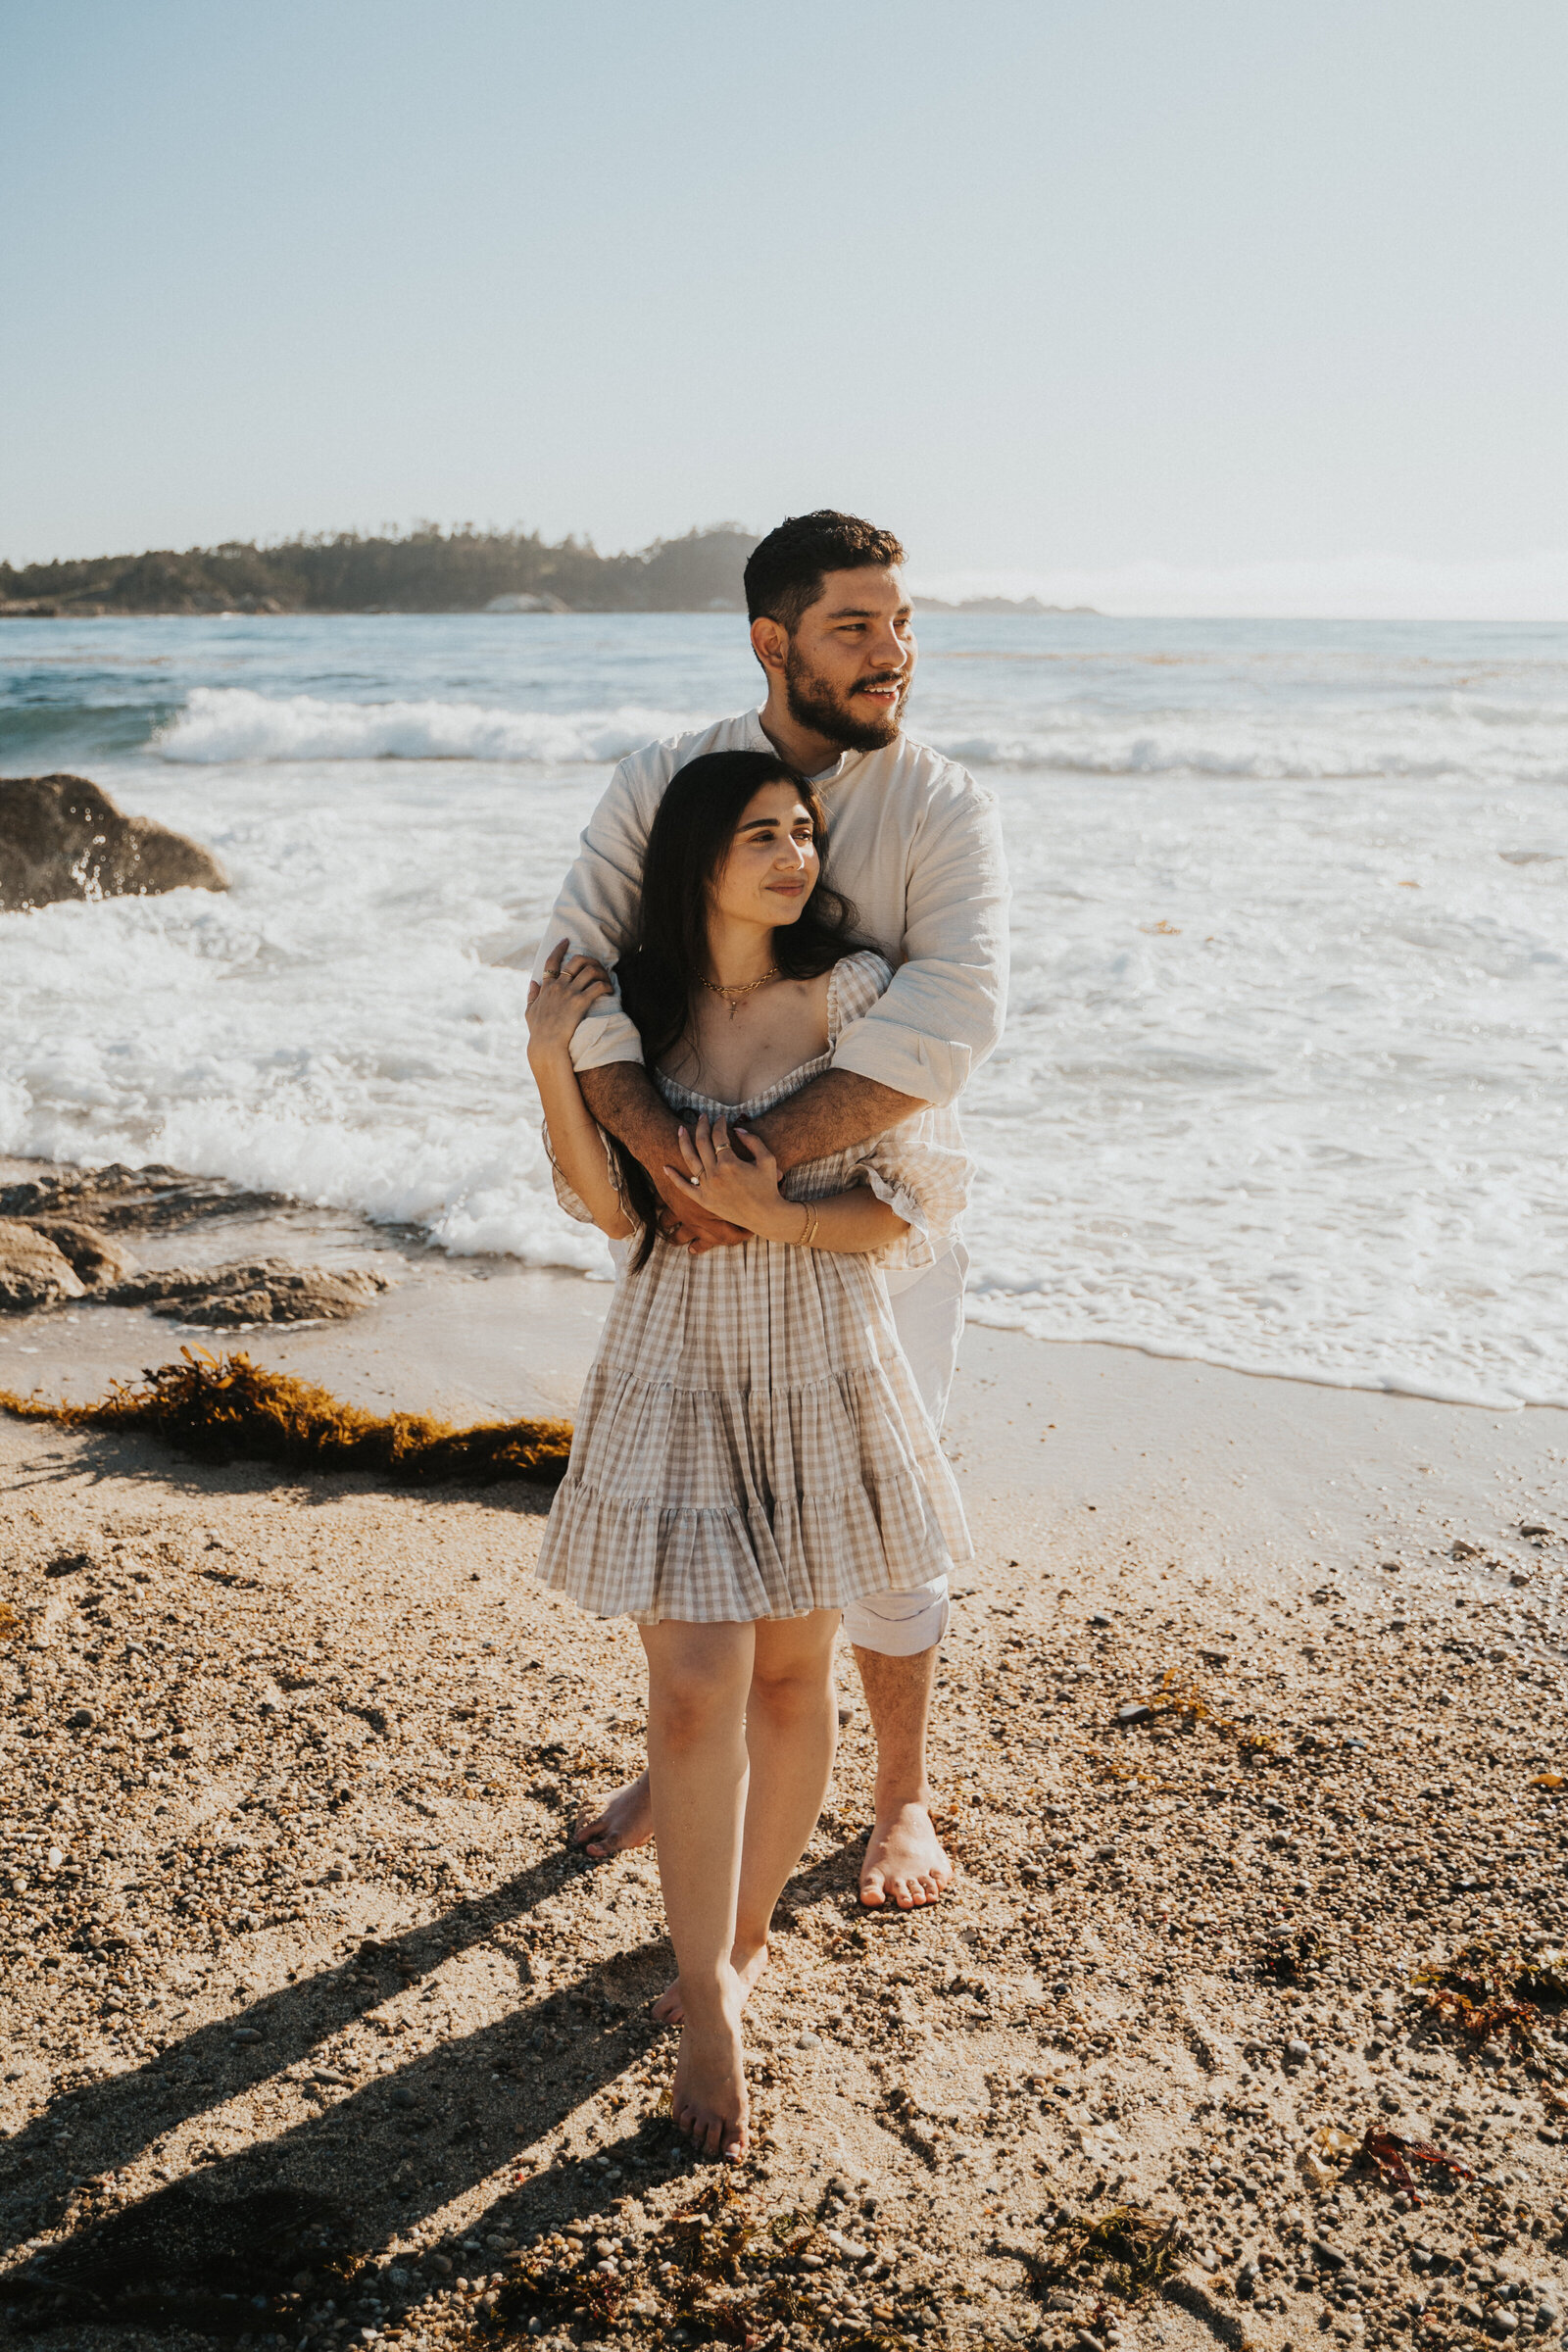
58,1242
122,1200
33,1270
97,1263
62,838
270,1290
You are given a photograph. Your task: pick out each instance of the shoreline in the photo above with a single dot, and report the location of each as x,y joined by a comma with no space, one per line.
484,1337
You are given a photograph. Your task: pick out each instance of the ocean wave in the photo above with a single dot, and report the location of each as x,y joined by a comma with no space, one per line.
224,723
236,724
1408,752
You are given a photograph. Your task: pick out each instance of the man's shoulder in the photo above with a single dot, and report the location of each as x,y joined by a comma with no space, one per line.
939,781
651,768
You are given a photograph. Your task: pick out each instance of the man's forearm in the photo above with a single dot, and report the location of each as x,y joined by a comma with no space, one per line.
627,1105
835,1111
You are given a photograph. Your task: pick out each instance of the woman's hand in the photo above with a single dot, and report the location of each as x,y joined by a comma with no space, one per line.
558,1001
735,1176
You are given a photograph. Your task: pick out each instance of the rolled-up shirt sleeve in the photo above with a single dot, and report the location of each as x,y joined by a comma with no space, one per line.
942,1014
598,907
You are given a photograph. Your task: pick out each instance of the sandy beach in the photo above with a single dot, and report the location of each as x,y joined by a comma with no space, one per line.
317,2031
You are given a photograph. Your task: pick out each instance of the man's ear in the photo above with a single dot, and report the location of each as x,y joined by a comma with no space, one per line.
770,642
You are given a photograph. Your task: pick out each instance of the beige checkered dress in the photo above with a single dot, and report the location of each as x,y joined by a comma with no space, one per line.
751,1441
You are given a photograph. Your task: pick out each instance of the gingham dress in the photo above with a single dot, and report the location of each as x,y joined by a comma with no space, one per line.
751,1441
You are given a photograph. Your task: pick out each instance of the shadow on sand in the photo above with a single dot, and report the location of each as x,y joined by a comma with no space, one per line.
225,2251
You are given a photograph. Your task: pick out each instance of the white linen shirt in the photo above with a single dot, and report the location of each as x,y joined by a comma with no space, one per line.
913,841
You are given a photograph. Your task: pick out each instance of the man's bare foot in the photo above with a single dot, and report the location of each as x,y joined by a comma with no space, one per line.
707,2099
624,1821
903,1860
671,2007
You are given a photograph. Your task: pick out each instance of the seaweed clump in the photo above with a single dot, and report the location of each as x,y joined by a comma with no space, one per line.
1482,1990
226,1409
1133,2251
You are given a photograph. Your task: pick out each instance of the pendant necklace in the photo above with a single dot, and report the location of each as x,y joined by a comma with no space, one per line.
745,988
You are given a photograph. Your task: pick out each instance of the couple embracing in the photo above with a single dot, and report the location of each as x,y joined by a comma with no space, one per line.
748,1046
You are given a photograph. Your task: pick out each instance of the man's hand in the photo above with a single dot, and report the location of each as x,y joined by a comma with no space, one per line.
626,1101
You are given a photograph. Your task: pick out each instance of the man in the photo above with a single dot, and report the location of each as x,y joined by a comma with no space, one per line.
917,845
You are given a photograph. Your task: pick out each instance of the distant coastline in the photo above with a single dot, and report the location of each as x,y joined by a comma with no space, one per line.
423,570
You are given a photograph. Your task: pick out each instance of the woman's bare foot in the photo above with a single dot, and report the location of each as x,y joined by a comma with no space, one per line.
903,1860
707,2099
624,1821
671,2006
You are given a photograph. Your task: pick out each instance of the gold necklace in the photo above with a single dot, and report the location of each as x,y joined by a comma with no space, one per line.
743,988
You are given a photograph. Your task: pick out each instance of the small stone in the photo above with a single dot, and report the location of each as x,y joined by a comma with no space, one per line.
1135,1711
807,2041
1298,2052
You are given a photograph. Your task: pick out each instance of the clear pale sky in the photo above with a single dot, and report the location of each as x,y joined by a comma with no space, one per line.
1228,301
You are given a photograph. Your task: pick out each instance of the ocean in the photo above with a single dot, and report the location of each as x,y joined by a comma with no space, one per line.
1285,1082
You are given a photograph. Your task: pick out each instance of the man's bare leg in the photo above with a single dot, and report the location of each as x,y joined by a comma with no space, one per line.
904,1857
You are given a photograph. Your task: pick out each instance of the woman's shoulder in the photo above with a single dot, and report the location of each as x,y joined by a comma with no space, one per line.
854,986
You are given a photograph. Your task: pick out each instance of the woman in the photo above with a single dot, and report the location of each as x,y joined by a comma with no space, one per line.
751,1451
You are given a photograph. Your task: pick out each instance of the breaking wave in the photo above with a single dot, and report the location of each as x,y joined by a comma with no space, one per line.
234,724
222,723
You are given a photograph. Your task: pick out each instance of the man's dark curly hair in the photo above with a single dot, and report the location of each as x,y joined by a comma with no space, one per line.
785,571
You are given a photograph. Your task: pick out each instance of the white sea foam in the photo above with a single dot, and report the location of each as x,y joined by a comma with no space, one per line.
231,724
1286,1071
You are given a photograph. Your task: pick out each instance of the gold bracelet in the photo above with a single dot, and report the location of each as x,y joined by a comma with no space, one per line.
812,1221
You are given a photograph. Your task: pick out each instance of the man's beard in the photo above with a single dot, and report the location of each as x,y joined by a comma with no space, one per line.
813,703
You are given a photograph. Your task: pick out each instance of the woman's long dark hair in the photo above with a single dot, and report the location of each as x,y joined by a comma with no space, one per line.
666,962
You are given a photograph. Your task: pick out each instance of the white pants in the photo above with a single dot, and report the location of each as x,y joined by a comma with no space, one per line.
928,1317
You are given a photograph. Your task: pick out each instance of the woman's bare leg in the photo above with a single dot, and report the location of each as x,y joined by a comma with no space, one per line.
791,1732
698,1677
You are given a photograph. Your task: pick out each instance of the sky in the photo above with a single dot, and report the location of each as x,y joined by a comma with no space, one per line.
1231,305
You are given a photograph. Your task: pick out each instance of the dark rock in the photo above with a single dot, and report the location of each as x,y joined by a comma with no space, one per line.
33,1271
96,1260
270,1290
62,838
120,1199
